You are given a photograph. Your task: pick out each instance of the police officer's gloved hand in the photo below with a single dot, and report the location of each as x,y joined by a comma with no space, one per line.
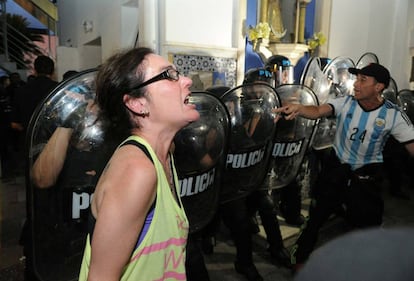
75,118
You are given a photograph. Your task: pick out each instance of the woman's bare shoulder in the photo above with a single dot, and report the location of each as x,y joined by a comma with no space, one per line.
130,176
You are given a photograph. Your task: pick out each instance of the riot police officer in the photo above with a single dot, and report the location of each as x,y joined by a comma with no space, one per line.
288,197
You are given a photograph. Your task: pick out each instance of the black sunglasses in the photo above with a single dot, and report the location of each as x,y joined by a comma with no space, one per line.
170,74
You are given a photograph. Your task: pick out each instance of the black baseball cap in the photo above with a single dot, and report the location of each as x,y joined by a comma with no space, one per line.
380,73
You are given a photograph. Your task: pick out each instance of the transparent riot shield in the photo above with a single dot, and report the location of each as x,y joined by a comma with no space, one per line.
200,155
406,102
366,59
391,92
340,83
337,72
66,155
292,138
315,79
252,128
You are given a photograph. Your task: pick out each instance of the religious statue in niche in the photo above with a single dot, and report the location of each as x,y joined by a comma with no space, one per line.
275,20
286,19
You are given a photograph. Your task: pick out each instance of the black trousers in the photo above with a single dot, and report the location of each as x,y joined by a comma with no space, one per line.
398,165
5,152
338,186
235,217
196,269
291,200
260,201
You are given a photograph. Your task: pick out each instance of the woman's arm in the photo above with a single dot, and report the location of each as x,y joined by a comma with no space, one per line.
123,197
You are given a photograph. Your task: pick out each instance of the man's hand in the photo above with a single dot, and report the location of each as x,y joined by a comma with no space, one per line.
289,112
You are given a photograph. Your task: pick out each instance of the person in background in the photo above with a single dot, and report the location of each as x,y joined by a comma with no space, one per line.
4,82
68,74
260,200
288,198
69,163
29,96
15,83
31,77
237,213
350,176
138,227
5,139
234,215
208,233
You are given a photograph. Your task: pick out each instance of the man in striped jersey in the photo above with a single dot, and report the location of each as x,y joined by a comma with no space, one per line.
349,177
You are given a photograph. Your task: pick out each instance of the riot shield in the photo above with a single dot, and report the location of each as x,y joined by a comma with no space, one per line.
406,102
292,138
391,92
252,128
314,78
340,83
66,155
366,59
200,155
337,72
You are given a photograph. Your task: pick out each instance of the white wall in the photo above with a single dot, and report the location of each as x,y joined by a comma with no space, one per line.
160,22
211,27
129,24
68,59
189,22
115,25
149,18
353,27
212,24
378,26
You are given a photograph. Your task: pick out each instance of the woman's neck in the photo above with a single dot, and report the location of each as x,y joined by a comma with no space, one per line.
160,142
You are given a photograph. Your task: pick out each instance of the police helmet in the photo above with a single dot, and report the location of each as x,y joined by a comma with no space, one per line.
259,75
274,62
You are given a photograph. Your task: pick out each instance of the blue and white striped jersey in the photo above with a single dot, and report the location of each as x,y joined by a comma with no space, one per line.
361,135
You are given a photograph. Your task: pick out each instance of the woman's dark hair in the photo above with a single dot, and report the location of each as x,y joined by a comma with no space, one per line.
115,78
